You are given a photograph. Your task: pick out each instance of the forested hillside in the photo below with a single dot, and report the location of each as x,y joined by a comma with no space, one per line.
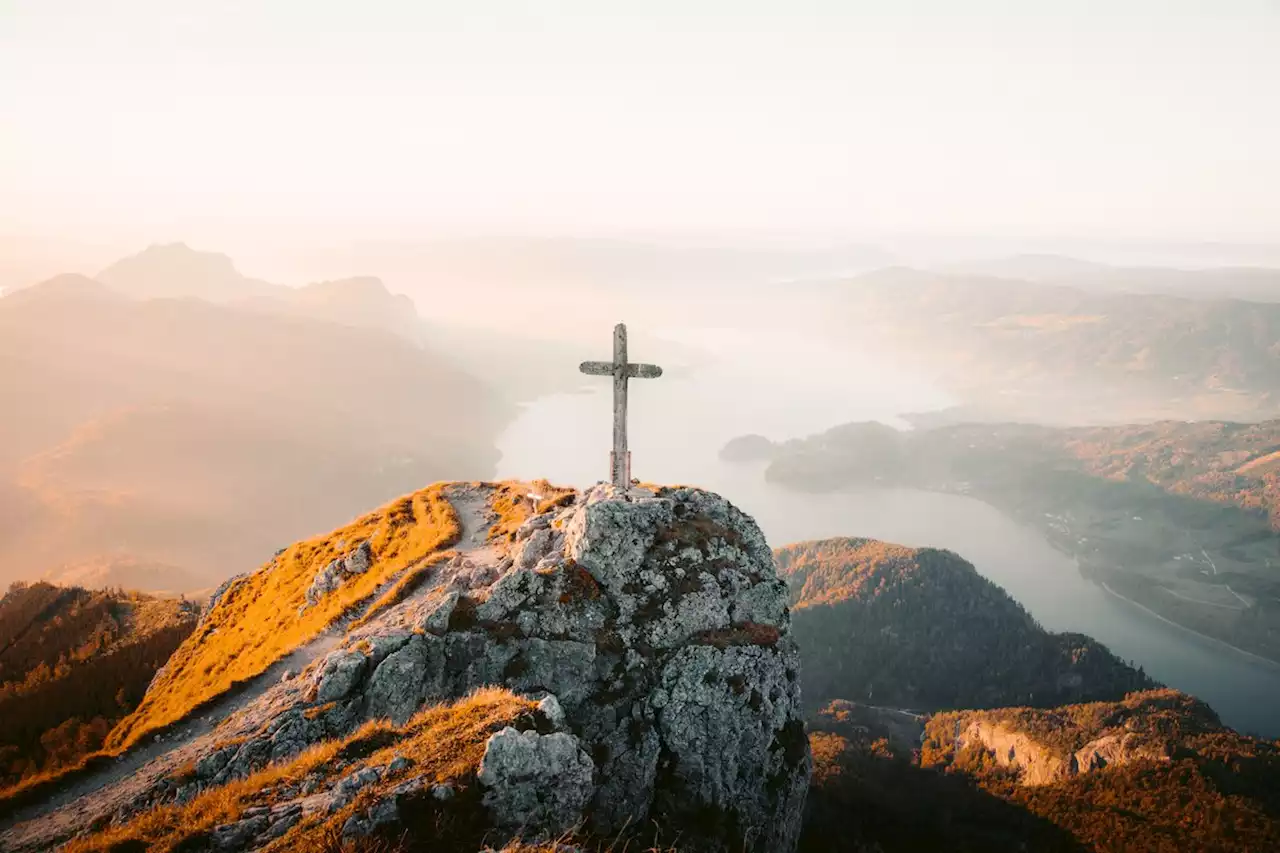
73,662
920,628
1155,773
869,794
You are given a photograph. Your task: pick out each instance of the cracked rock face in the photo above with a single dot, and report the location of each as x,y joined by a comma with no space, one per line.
657,633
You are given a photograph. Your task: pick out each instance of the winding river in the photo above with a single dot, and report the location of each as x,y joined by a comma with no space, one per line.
782,388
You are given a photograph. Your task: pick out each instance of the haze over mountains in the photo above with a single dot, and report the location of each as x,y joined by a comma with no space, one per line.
1048,351
952,516
203,432
148,381
184,422
1250,283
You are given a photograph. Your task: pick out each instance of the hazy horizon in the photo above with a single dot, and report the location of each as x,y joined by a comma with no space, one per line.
247,128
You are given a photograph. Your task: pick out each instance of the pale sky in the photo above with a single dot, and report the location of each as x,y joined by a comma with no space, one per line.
1121,117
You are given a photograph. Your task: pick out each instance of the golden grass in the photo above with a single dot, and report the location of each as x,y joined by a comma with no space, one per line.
257,621
510,502
163,828
445,743
403,587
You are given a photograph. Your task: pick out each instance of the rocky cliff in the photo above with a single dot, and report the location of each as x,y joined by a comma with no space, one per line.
645,642
1040,747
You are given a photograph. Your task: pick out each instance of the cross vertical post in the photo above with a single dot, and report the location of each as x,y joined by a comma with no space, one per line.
619,459
621,370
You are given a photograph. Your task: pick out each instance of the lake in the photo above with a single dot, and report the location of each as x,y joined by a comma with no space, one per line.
785,387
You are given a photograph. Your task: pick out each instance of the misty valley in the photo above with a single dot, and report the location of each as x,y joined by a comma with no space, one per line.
1087,594
639,427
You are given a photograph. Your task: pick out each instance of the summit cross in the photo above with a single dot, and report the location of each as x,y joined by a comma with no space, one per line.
621,370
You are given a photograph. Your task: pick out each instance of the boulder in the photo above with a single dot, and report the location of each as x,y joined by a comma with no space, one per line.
536,785
340,674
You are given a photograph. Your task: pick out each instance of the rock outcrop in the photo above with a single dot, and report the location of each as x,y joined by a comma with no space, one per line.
655,631
331,576
1038,764
1046,746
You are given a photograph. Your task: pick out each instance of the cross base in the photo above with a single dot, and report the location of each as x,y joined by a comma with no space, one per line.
625,472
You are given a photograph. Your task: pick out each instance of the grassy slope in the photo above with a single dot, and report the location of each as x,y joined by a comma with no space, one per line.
445,744
257,621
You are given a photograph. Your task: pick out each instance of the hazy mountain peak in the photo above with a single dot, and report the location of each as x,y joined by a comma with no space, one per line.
177,270
366,285
68,286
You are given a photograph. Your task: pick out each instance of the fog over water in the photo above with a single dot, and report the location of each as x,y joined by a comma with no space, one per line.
782,387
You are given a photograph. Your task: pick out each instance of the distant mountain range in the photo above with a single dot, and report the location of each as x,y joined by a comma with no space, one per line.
1051,352
204,425
1255,284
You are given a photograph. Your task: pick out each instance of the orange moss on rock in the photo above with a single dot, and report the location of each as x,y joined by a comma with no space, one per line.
263,617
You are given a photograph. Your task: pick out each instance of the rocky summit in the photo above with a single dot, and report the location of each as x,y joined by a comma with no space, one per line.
644,640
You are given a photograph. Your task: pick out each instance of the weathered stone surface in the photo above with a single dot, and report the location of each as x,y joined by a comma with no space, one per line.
536,785
436,620
550,708
401,682
340,674
653,628
534,548
236,836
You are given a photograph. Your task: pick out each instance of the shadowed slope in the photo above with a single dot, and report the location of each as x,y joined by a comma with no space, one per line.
921,628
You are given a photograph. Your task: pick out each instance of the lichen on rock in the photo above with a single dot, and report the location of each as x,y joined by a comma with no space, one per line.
653,629
536,785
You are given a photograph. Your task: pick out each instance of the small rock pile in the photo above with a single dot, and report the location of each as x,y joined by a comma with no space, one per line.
332,576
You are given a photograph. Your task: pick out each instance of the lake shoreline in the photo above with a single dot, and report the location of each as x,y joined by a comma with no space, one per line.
1221,644
1056,538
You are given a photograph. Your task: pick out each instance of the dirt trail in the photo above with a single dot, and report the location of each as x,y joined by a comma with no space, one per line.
69,810
74,808
471,503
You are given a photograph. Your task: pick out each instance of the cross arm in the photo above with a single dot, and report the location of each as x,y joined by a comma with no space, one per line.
644,371
634,371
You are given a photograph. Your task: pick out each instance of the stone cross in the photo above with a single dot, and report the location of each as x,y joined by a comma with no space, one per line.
621,371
